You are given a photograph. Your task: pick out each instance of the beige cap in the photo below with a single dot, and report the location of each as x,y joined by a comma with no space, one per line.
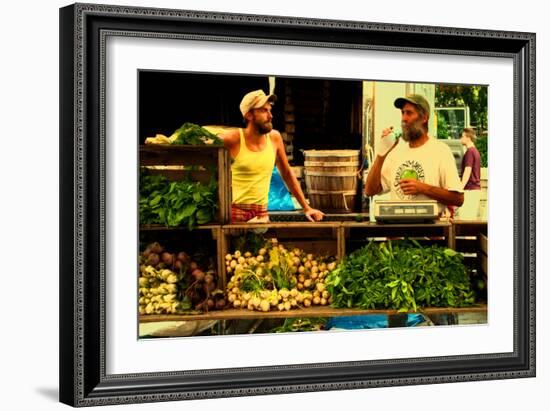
255,99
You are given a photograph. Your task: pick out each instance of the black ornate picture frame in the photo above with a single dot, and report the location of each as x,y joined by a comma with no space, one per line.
83,30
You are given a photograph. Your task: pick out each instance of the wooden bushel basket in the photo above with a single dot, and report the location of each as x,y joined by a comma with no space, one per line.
331,179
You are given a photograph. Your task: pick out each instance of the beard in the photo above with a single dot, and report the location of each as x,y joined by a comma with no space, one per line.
263,127
413,131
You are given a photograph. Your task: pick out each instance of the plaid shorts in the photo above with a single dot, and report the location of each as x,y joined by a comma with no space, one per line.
245,212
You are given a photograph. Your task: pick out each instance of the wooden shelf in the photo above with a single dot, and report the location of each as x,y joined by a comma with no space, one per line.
323,236
160,227
469,228
368,224
240,314
155,148
288,224
320,225
470,222
336,224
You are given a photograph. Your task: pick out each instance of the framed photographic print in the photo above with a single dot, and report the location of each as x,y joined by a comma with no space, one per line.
186,275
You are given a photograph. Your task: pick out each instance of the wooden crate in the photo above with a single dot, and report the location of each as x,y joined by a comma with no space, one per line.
202,244
176,162
334,237
471,239
440,233
206,238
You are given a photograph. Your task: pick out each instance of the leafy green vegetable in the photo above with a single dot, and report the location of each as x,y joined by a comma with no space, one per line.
176,203
252,282
194,134
300,324
401,275
250,241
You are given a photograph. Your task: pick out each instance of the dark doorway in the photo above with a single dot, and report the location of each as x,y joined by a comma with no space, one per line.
169,99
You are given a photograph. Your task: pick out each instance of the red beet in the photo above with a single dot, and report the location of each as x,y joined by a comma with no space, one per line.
198,274
167,258
183,257
156,248
153,259
209,287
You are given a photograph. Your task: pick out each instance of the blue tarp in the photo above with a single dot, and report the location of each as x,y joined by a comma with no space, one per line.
279,198
359,322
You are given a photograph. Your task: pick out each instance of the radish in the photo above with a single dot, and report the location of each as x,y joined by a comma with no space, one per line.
198,274
264,305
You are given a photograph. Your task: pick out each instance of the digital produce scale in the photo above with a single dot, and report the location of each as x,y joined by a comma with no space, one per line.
405,211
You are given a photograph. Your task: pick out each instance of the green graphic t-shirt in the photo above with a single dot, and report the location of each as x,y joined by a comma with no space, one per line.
432,163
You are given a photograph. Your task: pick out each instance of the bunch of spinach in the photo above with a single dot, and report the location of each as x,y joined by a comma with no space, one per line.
401,275
177,203
194,134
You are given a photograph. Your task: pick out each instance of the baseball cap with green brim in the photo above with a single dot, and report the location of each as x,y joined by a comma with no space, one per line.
415,99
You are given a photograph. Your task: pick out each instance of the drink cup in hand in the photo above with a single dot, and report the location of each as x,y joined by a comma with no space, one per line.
386,142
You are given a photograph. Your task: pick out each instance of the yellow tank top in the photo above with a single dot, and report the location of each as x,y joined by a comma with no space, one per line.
251,173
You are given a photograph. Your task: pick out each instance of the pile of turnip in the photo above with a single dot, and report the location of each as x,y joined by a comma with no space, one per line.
277,278
170,283
158,291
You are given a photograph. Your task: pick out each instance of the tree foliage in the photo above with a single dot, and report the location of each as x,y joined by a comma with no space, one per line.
475,97
481,145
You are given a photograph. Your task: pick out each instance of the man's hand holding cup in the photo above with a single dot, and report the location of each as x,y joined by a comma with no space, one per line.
386,143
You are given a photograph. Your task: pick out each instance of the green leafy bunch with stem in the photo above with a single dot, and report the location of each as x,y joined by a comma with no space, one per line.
401,275
193,134
280,264
177,203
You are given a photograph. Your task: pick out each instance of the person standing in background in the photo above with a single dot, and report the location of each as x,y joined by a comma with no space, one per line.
471,170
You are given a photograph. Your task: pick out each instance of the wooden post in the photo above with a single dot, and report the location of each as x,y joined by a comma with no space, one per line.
217,235
222,251
341,242
482,255
450,233
224,185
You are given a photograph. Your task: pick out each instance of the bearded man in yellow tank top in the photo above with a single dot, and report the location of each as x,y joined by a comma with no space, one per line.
255,150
